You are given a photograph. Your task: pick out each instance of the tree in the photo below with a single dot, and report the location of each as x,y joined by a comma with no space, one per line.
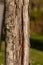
17,32
1,19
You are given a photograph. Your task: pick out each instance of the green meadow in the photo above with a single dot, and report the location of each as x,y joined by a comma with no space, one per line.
36,51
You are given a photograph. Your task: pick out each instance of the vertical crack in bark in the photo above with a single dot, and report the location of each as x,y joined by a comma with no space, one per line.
17,32
22,35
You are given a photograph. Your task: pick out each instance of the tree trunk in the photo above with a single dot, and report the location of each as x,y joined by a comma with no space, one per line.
26,32
1,20
17,32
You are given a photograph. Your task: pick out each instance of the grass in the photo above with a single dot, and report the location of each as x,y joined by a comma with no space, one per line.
36,57
2,54
36,36
36,50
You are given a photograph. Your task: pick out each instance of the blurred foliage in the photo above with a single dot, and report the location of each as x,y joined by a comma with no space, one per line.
36,10
34,16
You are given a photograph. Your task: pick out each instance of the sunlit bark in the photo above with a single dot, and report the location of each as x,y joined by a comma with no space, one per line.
17,32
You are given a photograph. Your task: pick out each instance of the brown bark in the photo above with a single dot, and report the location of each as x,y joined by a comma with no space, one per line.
17,33
26,32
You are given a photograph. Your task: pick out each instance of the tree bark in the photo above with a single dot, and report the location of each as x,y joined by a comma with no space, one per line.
1,20
17,32
9,23
26,32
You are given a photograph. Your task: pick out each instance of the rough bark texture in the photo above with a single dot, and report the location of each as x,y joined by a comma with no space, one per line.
9,22
17,32
26,32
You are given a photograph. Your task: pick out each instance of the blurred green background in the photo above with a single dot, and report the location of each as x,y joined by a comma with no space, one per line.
36,32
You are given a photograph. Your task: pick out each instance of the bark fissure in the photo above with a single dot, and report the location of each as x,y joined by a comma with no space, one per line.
17,39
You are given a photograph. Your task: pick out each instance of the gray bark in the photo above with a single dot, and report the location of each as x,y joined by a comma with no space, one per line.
17,32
